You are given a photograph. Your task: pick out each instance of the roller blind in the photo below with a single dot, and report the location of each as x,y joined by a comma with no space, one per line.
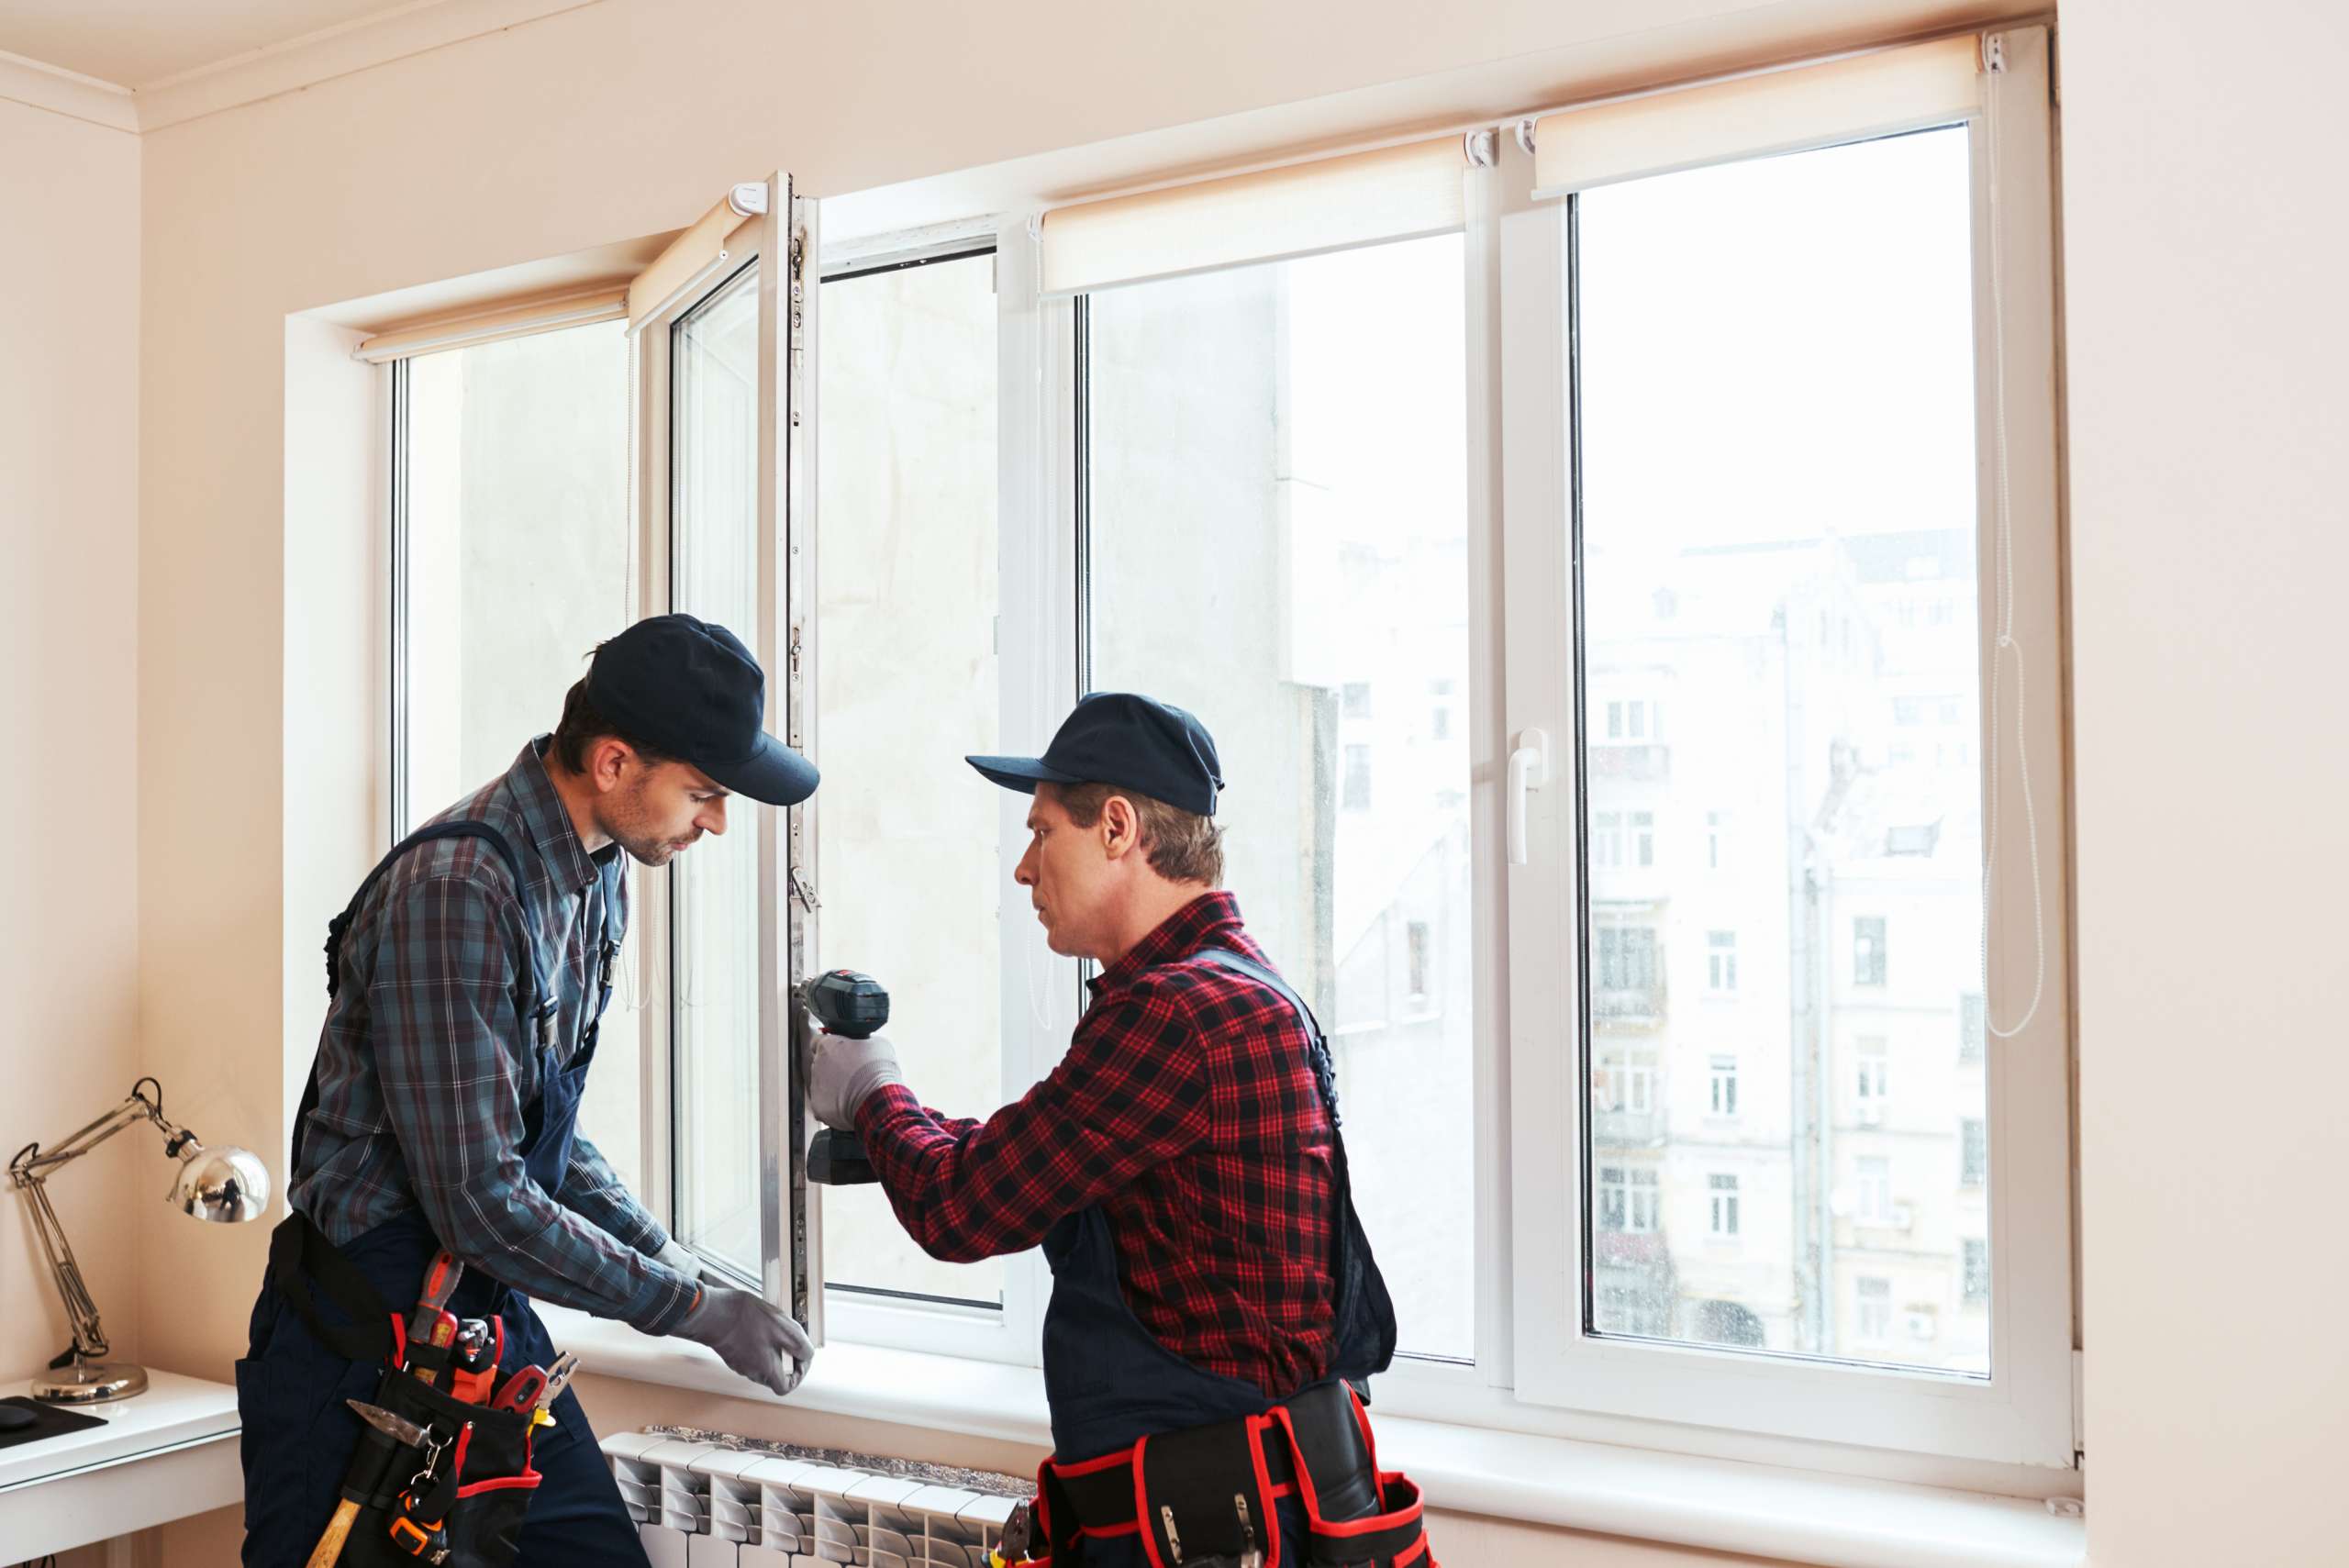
1389,193
694,257
1775,111
714,242
464,329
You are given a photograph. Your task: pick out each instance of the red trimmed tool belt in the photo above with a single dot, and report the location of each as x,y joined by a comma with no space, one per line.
1205,1498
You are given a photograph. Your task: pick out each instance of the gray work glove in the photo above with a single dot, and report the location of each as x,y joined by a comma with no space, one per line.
685,1261
759,1342
843,1073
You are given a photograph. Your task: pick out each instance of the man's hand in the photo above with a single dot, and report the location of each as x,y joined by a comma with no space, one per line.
757,1341
842,1073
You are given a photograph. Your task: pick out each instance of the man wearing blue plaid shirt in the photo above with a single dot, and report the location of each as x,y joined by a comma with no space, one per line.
463,1017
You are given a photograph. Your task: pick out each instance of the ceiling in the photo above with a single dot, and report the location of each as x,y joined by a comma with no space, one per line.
141,43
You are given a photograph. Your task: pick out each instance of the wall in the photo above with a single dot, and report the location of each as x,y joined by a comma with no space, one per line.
606,123
69,709
2208,331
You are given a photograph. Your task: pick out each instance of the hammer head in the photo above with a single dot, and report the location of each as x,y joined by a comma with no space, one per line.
398,1429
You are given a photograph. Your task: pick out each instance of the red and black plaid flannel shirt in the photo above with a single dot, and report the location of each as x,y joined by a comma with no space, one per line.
1186,1106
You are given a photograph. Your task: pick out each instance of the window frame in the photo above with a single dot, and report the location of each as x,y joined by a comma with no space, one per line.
2021,1414
1529,1376
790,1223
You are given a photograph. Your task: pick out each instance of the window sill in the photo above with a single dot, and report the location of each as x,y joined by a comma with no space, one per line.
1676,1499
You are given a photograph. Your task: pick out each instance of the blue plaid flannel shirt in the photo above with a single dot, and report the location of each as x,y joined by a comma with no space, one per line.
424,1067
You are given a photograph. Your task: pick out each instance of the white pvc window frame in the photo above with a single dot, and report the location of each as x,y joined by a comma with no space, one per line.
2021,1415
790,1227
1537,1369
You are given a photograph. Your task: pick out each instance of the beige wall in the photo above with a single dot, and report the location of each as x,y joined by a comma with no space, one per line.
69,709
2208,336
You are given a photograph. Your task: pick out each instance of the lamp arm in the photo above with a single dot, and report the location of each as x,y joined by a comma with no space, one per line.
81,1311
30,1171
136,1107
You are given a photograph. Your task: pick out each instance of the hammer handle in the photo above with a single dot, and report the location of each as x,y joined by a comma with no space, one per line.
329,1547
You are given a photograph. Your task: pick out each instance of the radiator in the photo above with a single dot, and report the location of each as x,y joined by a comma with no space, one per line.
702,1498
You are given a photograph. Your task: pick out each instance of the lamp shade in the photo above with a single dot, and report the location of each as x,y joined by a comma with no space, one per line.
224,1184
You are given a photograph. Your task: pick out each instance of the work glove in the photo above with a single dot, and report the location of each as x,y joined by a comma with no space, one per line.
843,1073
686,1261
758,1342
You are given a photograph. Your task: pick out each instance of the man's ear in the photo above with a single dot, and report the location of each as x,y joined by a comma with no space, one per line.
607,760
1121,827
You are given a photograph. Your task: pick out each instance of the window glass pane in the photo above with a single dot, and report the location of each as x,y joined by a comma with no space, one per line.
1279,543
1778,537
516,539
714,457
906,599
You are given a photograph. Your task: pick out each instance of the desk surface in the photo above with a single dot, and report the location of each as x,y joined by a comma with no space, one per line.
173,1412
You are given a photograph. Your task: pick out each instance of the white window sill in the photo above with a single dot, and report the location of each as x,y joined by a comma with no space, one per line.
1676,1499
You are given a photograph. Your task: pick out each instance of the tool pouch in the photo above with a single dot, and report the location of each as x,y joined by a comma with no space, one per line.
1205,1500
478,1469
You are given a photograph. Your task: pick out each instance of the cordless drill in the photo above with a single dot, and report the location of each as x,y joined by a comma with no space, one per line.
854,1006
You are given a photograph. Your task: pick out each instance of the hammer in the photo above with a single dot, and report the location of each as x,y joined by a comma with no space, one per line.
403,1433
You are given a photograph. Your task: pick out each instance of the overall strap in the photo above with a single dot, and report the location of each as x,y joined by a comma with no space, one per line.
539,1009
1325,1074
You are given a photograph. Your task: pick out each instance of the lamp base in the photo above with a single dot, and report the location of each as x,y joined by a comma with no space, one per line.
91,1383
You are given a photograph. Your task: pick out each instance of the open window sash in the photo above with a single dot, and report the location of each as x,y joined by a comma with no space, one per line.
724,327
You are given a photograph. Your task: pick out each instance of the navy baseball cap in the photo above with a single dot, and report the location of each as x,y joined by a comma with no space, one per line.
689,689
1133,742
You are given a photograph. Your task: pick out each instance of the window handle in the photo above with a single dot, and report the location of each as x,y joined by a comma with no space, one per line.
1529,769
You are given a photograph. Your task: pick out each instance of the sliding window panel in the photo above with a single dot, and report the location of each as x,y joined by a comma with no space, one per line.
511,562
1790,587
1278,541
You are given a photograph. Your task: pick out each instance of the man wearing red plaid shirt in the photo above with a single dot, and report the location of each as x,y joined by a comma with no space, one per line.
1214,1302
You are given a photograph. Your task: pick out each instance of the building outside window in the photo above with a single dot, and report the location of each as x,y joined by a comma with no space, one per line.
1867,951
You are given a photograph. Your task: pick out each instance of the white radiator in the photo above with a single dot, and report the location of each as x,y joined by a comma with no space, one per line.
703,1498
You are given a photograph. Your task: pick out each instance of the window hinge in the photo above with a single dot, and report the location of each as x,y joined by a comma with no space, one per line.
1994,51
2079,1407
801,891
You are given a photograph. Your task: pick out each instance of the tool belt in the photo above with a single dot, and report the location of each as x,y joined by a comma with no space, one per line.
1205,1498
459,1498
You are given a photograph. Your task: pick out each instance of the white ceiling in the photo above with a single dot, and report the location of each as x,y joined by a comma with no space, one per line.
139,43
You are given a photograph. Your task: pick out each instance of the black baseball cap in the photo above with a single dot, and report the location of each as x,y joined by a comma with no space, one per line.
689,689
1133,742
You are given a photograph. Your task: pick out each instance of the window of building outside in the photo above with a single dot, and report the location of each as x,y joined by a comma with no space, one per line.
1875,1190
1972,1017
1875,1073
1723,1189
1720,960
1607,839
1875,1298
1716,825
1976,1287
1724,1087
1278,454
1868,957
1974,1145
514,537
1357,797
1644,838
907,685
